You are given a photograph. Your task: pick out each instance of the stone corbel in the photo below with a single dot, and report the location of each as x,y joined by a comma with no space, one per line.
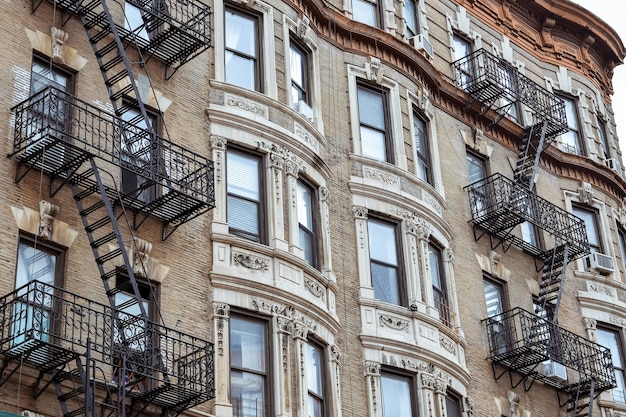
587,43
304,28
513,403
59,38
585,193
141,251
546,32
47,213
374,70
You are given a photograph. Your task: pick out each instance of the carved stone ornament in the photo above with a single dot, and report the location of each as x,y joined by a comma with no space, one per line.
377,175
47,213
514,403
374,70
393,323
250,261
246,105
447,344
590,323
59,38
372,368
218,142
585,193
303,27
313,287
324,194
469,406
335,354
141,251
221,311
360,212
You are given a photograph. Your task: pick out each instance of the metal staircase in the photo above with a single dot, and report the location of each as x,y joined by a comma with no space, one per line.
500,207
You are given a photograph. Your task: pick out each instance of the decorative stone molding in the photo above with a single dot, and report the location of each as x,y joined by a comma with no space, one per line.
47,213
448,255
432,202
359,212
276,160
59,38
251,262
393,323
307,138
291,168
374,70
513,403
417,365
447,344
218,142
335,354
300,331
46,44
285,328
585,193
546,32
273,309
372,368
590,323
140,250
377,175
221,312
303,28
324,194
313,287
427,381
246,105
468,404
601,289
617,320
29,220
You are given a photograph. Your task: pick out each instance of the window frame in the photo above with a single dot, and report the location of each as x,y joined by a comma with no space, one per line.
440,293
595,215
387,372
452,397
305,54
266,375
423,158
620,350
261,237
621,236
387,134
312,233
257,59
579,147
323,377
377,13
410,32
401,283
604,138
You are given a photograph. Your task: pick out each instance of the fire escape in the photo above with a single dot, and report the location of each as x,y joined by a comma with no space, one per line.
112,360
531,345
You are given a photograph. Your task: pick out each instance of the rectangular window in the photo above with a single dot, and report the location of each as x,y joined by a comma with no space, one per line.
590,217
398,395
387,277
52,112
411,17
242,49
365,11
495,304
33,316
604,142
438,280
374,123
612,339
422,147
476,171
140,153
621,234
461,48
299,67
314,362
244,200
453,404
248,367
572,139
134,21
306,199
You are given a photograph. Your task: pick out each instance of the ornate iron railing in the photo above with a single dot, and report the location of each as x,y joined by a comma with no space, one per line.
499,204
523,342
65,127
487,78
46,327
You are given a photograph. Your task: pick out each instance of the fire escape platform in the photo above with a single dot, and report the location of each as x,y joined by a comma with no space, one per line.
56,132
499,204
522,342
177,31
48,327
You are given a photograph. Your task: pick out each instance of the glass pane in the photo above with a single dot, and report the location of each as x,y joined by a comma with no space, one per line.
243,175
305,212
411,17
247,344
373,144
306,243
396,392
364,11
493,298
315,407
243,215
609,339
314,369
247,394
34,264
462,47
590,225
476,168
240,71
528,233
570,113
133,20
382,242
453,406
240,33
371,108
44,76
434,260
385,283
296,64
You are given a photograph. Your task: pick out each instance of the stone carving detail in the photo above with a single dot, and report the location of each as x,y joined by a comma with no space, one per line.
617,320
291,168
303,27
250,262
218,142
417,365
313,287
303,134
393,323
514,403
222,312
47,213
374,70
141,251
546,32
372,368
377,175
469,406
433,203
59,38
324,194
601,289
590,323
447,344
246,105
585,193
428,381
360,212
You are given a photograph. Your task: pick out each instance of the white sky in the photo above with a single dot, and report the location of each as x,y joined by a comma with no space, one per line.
611,11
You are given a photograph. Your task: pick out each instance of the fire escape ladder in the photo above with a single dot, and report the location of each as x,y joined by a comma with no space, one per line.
72,386
529,154
552,279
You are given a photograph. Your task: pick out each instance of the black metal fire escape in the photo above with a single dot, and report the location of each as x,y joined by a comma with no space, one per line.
501,207
80,145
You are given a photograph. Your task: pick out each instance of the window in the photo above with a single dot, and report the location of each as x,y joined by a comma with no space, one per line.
242,56
50,113
603,139
621,234
314,362
398,395
461,47
438,280
477,170
422,148
374,122
299,68
33,317
612,339
411,18
134,21
384,261
140,155
590,217
366,11
306,199
244,200
495,304
571,139
453,404
248,367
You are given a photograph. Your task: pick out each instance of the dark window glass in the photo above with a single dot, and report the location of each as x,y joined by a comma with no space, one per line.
438,279
411,17
453,405
384,261
621,232
604,142
244,194
298,64
373,119
242,49
590,217
422,146
248,367
572,139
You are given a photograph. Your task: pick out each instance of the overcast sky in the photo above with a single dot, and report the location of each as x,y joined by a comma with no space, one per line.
611,11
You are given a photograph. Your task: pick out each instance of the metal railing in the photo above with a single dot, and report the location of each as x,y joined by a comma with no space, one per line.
498,204
522,341
40,323
52,119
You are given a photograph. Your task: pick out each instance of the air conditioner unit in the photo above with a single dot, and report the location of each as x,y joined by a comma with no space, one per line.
304,109
422,44
599,262
613,164
555,371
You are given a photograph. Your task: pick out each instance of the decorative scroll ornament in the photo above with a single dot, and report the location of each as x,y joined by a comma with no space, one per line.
393,323
141,251
360,212
47,213
250,262
374,70
218,142
372,368
514,403
221,312
59,38
313,287
447,344
585,193
303,27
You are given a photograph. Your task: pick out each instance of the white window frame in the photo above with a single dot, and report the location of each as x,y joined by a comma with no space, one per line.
422,103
